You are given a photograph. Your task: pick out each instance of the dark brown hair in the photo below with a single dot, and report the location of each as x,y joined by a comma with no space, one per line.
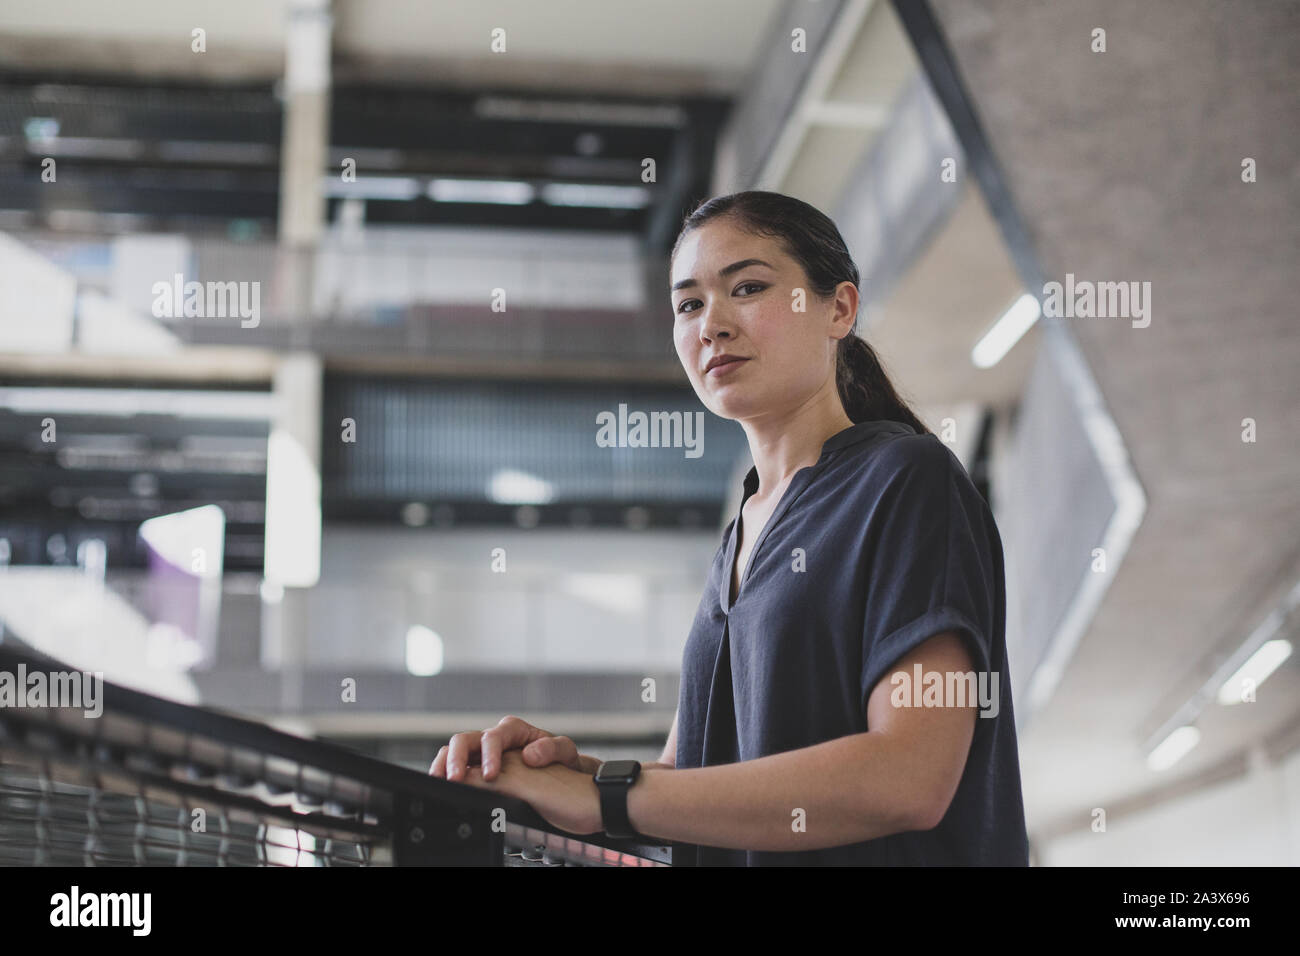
810,238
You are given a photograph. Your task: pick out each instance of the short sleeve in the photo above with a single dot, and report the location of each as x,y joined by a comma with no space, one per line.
930,564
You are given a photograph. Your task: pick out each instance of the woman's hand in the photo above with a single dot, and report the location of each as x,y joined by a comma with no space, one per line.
566,798
538,748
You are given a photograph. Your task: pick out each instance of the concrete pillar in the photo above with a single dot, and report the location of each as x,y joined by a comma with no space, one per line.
304,151
293,521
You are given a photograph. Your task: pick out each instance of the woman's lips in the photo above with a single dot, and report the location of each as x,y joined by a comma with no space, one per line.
726,368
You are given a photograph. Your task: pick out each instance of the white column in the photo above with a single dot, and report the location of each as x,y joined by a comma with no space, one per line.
293,519
304,150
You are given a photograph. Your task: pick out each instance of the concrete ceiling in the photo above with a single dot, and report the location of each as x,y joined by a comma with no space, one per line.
586,45
1127,166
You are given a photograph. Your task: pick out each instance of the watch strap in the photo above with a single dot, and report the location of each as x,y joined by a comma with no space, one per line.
613,805
613,810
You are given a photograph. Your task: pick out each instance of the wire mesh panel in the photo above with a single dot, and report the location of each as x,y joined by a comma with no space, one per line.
153,782
46,821
150,782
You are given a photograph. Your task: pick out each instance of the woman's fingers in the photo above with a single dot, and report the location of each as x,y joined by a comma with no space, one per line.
548,750
510,733
461,748
492,743
439,766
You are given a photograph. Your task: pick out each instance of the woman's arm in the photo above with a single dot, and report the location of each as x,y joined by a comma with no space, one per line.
900,775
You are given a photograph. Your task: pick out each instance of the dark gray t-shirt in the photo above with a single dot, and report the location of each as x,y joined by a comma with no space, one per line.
880,545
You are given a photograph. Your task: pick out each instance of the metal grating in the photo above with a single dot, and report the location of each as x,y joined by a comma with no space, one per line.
46,821
153,782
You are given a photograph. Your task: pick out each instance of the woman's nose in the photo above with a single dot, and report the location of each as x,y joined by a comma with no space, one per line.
715,326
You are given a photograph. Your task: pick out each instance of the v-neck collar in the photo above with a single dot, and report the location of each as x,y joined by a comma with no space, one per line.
854,434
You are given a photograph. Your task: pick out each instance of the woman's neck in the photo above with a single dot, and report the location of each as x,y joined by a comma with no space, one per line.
780,446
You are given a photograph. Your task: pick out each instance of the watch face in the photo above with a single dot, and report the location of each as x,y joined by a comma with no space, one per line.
616,770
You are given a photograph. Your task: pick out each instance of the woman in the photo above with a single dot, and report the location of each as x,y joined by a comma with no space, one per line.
845,697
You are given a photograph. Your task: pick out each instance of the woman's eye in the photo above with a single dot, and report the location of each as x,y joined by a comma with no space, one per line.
758,287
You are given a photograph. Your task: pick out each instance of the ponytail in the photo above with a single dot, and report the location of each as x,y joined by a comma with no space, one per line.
865,389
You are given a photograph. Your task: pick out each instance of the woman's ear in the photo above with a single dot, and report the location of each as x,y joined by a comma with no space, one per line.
845,314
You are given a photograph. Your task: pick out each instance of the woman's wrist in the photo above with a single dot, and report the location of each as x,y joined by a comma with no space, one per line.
589,764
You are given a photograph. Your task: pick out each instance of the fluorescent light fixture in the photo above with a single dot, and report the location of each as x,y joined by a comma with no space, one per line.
1261,653
373,187
1006,332
41,128
595,196
423,651
89,147
498,191
125,402
1257,668
511,487
1173,748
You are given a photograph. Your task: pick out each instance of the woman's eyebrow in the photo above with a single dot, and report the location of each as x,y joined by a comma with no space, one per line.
725,271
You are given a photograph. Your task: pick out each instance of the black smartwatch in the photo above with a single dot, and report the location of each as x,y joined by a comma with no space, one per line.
613,780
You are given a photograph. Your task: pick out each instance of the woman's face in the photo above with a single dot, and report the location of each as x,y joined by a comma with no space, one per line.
750,312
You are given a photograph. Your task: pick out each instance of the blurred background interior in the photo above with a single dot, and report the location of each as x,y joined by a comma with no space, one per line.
373,475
